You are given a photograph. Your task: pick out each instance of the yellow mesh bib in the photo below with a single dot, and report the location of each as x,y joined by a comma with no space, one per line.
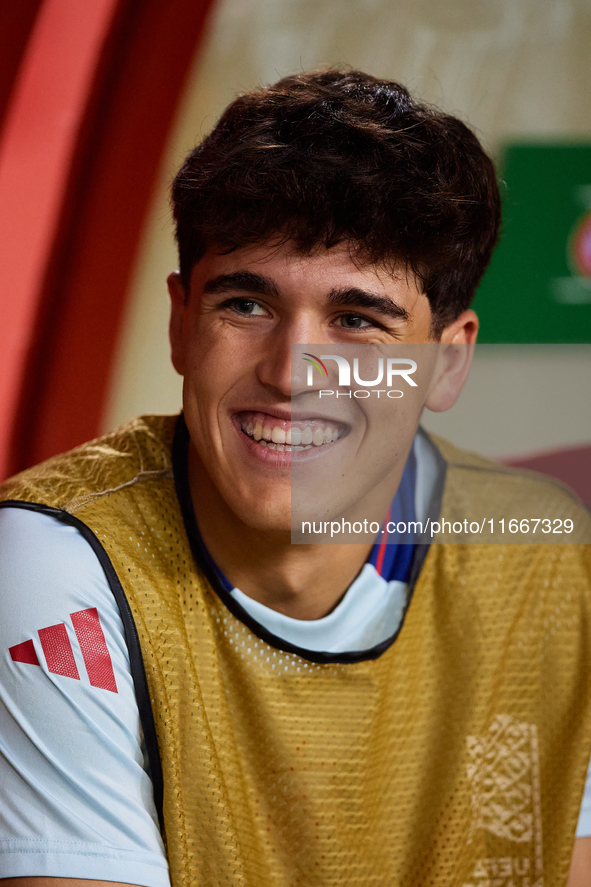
457,757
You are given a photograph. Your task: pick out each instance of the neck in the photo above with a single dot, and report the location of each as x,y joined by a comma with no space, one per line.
301,581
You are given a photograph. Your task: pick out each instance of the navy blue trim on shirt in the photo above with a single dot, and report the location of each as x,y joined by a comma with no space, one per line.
209,561
397,558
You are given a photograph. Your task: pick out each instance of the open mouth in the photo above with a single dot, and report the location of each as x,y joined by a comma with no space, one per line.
289,436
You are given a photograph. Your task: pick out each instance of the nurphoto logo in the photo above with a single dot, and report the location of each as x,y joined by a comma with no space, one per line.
392,370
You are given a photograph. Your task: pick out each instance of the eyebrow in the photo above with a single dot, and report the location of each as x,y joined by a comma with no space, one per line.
352,297
246,281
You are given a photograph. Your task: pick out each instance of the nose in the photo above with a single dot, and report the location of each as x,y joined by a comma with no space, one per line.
282,366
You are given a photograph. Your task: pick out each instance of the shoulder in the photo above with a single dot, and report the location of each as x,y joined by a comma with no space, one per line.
140,448
482,490
72,764
490,470
50,574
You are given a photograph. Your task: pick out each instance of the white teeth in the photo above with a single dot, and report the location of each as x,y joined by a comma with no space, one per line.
276,438
318,437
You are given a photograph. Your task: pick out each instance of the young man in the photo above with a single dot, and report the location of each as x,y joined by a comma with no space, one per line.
306,714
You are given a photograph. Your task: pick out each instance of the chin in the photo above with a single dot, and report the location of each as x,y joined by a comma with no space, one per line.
270,517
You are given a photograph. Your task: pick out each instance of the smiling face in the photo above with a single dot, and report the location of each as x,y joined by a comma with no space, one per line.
231,338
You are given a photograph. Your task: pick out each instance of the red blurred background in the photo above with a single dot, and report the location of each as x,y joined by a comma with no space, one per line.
88,92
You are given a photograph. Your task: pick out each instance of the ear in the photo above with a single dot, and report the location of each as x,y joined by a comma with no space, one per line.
178,305
453,362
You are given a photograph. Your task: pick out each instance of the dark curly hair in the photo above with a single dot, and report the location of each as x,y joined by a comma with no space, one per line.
339,156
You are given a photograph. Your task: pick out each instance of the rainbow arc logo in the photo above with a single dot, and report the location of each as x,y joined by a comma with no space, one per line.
316,362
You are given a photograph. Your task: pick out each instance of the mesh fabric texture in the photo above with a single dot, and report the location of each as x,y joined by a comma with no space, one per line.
456,757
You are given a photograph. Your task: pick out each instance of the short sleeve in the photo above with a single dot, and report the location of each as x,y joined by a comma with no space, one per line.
584,823
77,799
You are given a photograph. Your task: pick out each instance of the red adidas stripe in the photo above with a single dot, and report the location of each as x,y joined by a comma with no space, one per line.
24,652
94,649
382,548
58,651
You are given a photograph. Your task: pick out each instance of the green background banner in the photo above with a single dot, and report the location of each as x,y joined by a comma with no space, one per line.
538,286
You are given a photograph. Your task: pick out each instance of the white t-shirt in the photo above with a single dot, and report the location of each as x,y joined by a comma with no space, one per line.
76,795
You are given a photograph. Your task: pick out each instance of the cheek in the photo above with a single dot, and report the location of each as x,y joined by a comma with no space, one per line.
205,353
210,340
390,431
214,370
